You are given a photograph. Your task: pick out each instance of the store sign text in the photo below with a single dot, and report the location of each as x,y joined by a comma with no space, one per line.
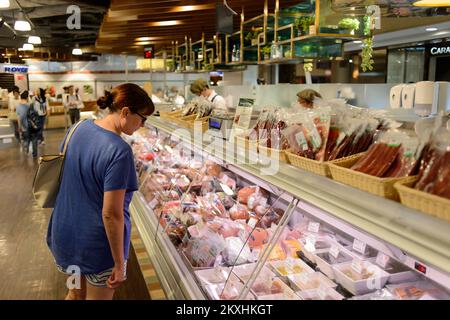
440,50
15,69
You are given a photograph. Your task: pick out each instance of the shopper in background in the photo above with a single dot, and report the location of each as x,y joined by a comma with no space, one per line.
90,225
28,124
73,103
175,97
39,103
13,102
158,96
306,98
200,88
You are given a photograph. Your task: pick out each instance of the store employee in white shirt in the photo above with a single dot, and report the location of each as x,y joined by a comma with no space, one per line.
73,103
200,88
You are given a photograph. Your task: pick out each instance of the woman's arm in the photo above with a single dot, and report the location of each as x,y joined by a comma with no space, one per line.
113,219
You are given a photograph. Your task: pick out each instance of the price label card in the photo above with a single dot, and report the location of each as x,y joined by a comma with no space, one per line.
359,246
252,222
314,227
382,260
334,251
310,245
357,265
226,189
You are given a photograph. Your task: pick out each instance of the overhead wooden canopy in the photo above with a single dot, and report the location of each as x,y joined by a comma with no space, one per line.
164,21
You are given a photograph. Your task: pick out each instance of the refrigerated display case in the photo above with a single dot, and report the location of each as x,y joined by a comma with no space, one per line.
314,238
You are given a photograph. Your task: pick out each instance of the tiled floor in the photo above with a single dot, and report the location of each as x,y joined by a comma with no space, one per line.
27,270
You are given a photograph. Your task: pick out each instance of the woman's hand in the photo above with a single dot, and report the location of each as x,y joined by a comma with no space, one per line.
117,277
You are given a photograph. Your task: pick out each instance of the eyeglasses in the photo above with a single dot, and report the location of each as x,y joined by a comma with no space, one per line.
143,118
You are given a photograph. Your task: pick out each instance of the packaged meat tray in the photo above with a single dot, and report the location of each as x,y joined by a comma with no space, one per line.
213,276
315,294
289,267
310,281
370,279
418,290
244,272
326,260
265,287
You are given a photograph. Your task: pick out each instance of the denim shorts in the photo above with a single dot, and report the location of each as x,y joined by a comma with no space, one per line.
96,279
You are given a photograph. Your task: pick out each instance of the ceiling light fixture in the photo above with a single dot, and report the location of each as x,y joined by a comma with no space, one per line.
193,7
34,40
21,23
165,23
357,41
4,4
28,47
77,51
432,3
147,38
431,29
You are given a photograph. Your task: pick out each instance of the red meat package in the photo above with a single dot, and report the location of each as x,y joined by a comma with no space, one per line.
407,159
434,177
239,212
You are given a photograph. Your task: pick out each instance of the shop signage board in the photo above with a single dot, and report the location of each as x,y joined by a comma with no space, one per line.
13,68
440,49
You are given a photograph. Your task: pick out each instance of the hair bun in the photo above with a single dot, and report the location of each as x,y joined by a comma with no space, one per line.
106,101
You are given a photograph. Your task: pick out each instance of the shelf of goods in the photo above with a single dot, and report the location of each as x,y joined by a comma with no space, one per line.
297,236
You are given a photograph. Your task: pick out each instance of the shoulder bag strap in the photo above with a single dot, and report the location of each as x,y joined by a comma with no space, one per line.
66,143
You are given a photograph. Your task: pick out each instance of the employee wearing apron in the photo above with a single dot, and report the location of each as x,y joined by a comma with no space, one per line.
73,103
200,88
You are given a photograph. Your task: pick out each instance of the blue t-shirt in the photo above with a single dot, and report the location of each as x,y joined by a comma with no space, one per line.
97,161
21,111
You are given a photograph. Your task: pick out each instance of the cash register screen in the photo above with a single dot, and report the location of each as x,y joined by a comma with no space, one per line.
215,124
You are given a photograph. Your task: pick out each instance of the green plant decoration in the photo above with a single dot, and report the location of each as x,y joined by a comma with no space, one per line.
253,34
308,65
367,50
88,89
302,23
266,49
349,23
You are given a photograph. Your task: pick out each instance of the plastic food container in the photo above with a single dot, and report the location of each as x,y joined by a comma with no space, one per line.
233,289
244,272
310,281
418,290
213,276
398,273
371,279
320,245
267,287
285,268
325,261
368,253
330,294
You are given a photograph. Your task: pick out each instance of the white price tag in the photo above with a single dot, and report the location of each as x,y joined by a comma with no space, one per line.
226,189
310,245
334,251
357,265
252,222
314,227
382,260
359,246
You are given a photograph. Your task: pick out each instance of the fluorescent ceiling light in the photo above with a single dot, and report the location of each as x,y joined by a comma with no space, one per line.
431,29
4,3
34,40
147,38
193,7
164,23
432,3
357,41
21,24
77,52
28,47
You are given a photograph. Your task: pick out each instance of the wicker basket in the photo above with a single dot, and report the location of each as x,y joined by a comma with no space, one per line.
169,114
273,153
203,121
246,143
315,166
185,121
427,203
383,187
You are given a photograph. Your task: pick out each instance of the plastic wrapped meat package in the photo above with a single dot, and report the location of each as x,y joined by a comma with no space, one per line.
267,286
203,251
239,212
418,290
245,192
309,281
271,217
258,237
228,179
235,251
226,227
291,247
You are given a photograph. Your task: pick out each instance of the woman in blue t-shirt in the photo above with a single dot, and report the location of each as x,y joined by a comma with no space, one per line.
89,231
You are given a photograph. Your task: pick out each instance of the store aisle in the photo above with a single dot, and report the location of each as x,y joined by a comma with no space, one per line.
27,270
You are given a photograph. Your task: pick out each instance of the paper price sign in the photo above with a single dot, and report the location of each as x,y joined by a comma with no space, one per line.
310,245
252,222
382,260
334,251
357,265
359,246
314,227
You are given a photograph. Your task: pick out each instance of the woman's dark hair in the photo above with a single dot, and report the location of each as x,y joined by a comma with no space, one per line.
24,95
42,94
127,95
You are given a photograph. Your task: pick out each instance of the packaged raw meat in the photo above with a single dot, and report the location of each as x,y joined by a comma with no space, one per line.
271,216
239,212
246,192
406,160
213,169
258,238
235,252
228,180
256,199
417,290
202,251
